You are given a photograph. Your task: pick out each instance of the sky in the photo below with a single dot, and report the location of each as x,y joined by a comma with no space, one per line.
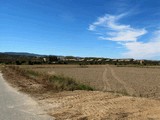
86,28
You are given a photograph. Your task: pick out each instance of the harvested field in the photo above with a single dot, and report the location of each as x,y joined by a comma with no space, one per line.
136,81
90,75
94,105
145,81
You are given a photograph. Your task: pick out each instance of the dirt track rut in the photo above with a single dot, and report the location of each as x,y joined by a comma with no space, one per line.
110,76
105,81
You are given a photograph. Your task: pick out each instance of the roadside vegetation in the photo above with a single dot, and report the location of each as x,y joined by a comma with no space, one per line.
30,80
44,83
128,80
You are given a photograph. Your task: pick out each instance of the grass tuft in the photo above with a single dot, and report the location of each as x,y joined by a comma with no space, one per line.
52,82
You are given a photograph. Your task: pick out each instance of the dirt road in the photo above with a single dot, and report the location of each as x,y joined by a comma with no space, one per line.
17,106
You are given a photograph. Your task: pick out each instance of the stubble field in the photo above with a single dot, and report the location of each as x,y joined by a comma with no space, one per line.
97,105
134,81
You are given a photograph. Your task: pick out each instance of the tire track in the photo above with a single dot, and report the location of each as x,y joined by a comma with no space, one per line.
105,81
127,87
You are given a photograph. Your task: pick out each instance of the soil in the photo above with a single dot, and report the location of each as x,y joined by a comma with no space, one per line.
89,105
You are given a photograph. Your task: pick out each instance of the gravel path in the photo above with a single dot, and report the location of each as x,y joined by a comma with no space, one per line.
18,106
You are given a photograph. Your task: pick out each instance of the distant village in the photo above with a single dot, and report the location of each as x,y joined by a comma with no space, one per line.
37,59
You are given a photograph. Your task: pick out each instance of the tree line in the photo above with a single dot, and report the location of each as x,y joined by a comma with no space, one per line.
33,60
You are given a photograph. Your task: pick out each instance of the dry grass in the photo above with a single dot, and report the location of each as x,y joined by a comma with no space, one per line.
32,81
89,75
136,81
93,105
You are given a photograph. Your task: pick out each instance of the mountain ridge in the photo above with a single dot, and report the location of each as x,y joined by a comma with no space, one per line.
22,54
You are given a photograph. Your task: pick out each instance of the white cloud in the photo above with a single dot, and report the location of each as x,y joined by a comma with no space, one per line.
115,31
92,27
142,50
127,37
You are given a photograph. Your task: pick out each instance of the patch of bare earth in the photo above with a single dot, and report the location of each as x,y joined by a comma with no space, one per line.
137,81
89,105
23,84
85,105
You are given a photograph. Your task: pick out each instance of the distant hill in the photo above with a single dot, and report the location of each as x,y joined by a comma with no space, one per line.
22,54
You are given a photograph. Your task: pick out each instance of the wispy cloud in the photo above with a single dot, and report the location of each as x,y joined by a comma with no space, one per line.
127,36
143,50
116,31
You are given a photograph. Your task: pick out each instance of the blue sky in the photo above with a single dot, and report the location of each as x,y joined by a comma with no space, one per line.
99,28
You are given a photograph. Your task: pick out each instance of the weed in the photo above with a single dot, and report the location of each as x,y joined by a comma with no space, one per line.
53,82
